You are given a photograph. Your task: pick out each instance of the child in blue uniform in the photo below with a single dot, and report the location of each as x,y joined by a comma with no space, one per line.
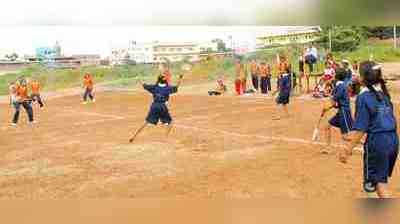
375,118
284,88
158,109
340,100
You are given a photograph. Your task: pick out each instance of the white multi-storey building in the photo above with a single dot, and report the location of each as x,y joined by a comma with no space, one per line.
292,35
156,52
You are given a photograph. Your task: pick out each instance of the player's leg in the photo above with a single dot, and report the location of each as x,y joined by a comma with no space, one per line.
17,107
39,99
263,85
91,96
269,83
381,190
301,82
152,118
138,131
328,138
166,119
28,108
285,110
237,86
85,95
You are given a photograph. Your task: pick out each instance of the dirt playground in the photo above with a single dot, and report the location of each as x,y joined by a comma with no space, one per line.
225,147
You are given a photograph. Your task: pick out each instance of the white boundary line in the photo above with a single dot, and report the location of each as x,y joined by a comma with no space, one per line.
97,121
109,116
270,138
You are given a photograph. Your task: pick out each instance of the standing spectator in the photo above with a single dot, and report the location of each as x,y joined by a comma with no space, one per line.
254,70
265,74
302,75
88,85
311,57
240,83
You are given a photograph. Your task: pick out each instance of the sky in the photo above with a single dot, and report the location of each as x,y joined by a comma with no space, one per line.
96,26
138,12
101,39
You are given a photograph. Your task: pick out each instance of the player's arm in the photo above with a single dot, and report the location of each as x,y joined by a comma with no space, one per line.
174,89
179,81
148,87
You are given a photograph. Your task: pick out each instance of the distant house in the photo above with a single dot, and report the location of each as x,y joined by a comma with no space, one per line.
88,59
295,35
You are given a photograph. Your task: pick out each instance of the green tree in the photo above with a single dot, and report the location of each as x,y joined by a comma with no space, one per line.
344,38
221,45
381,32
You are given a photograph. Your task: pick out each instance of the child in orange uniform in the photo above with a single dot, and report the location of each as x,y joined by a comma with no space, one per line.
22,98
254,69
265,74
240,82
35,95
88,85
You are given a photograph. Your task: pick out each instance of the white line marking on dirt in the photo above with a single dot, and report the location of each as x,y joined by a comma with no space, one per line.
103,115
271,138
98,121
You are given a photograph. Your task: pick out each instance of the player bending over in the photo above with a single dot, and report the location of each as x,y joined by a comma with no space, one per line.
158,109
375,118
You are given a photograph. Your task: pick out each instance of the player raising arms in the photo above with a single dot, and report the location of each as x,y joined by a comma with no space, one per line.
158,109
374,117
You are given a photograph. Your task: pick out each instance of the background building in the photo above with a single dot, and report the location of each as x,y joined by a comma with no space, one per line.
88,59
295,35
157,52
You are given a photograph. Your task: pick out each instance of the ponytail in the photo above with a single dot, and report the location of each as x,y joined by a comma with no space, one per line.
373,90
384,88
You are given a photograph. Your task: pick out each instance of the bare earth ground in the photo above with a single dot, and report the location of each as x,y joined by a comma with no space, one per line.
221,147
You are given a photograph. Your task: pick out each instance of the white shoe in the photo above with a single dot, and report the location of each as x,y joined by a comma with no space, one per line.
14,124
84,102
93,100
33,122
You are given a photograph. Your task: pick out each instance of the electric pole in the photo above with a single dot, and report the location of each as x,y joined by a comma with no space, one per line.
394,37
330,40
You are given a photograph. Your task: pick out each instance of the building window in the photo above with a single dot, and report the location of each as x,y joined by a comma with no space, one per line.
179,49
171,49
